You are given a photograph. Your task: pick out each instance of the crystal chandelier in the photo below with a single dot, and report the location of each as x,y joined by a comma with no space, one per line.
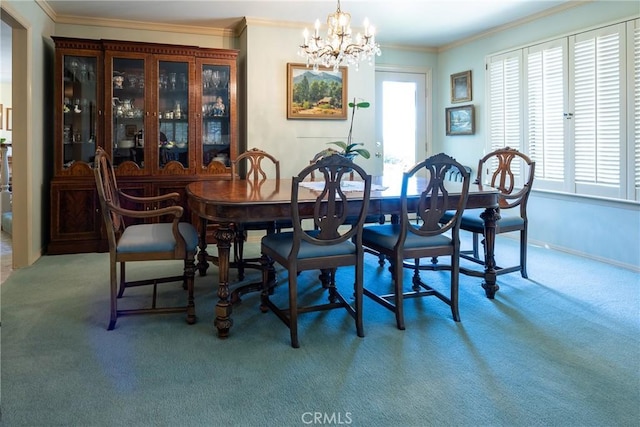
339,48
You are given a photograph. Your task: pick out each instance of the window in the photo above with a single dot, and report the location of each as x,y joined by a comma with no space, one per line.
567,101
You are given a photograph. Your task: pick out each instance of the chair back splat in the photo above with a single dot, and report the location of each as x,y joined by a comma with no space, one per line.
334,240
139,235
254,165
421,232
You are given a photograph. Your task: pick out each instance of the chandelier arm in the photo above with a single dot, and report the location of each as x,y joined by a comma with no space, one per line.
338,48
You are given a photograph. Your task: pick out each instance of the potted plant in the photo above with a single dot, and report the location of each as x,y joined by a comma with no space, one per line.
348,149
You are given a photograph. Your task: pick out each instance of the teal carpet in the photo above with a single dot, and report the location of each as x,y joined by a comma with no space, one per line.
560,349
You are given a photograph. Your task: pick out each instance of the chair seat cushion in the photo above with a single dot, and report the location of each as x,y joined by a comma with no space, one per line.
471,220
281,244
386,236
156,238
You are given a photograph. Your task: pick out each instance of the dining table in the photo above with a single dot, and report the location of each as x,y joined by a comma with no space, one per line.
227,202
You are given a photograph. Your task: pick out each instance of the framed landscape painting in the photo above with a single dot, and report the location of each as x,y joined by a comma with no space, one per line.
460,120
316,94
461,87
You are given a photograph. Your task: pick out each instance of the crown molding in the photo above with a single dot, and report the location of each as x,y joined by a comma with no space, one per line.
44,5
149,26
539,15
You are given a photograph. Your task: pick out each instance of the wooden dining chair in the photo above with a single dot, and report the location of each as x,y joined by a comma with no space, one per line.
254,165
427,237
330,244
512,173
158,241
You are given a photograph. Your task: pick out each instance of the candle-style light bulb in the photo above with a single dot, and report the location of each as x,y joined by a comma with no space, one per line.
366,27
305,34
317,26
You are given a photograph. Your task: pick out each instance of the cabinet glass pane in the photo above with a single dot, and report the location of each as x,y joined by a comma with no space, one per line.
79,109
215,113
173,114
128,104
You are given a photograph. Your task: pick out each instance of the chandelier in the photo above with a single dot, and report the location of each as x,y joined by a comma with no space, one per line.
339,48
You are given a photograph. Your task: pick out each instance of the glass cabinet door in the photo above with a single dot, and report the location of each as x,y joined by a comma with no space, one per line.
215,114
173,113
128,107
79,110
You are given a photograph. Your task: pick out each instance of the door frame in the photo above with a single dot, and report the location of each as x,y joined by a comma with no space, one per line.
427,120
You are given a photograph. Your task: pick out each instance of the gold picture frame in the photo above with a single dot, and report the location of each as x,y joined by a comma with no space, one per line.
461,87
318,94
9,119
460,120
1,110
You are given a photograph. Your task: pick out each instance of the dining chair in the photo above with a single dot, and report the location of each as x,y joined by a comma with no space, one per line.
331,243
427,237
512,173
157,241
254,165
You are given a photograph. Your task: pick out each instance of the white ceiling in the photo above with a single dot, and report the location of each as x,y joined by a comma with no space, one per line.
412,23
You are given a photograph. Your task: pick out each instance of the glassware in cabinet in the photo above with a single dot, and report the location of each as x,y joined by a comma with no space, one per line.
79,109
216,112
173,113
128,106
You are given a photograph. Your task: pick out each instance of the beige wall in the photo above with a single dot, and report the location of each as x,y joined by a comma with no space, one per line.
295,141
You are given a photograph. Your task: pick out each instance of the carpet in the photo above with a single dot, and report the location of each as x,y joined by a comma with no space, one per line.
559,349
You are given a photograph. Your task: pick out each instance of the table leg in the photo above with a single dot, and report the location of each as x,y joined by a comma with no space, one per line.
224,236
490,217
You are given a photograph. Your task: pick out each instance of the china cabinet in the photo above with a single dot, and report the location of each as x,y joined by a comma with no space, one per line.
167,114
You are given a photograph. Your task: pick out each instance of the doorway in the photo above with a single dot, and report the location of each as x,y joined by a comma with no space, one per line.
402,118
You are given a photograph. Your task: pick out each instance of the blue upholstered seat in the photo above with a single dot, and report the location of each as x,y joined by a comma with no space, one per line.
281,243
387,236
156,238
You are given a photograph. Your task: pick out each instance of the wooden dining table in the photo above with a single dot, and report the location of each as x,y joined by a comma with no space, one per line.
225,202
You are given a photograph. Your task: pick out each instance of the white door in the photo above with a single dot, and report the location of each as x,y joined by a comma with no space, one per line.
401,117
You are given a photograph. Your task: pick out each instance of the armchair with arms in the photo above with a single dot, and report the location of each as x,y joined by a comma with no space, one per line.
161,241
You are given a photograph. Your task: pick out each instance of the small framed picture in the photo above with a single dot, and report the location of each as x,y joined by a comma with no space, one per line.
461,87
1,109
316,94
9,119
460,120
130,131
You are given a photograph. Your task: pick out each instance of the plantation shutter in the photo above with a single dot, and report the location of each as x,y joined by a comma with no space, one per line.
504,101
598,102
633,31
545,88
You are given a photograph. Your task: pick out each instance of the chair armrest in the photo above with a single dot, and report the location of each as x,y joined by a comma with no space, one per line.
151,199
176,211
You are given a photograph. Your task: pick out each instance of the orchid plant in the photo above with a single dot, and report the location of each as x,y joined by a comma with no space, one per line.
349,149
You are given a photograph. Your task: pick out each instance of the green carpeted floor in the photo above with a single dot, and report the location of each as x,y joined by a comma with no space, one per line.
560,349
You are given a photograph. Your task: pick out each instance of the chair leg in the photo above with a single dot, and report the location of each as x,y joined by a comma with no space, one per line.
455,282
189,273
123,279
523,253
114,296
399,303
358,293
475,246
239,252
293,308
268,281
